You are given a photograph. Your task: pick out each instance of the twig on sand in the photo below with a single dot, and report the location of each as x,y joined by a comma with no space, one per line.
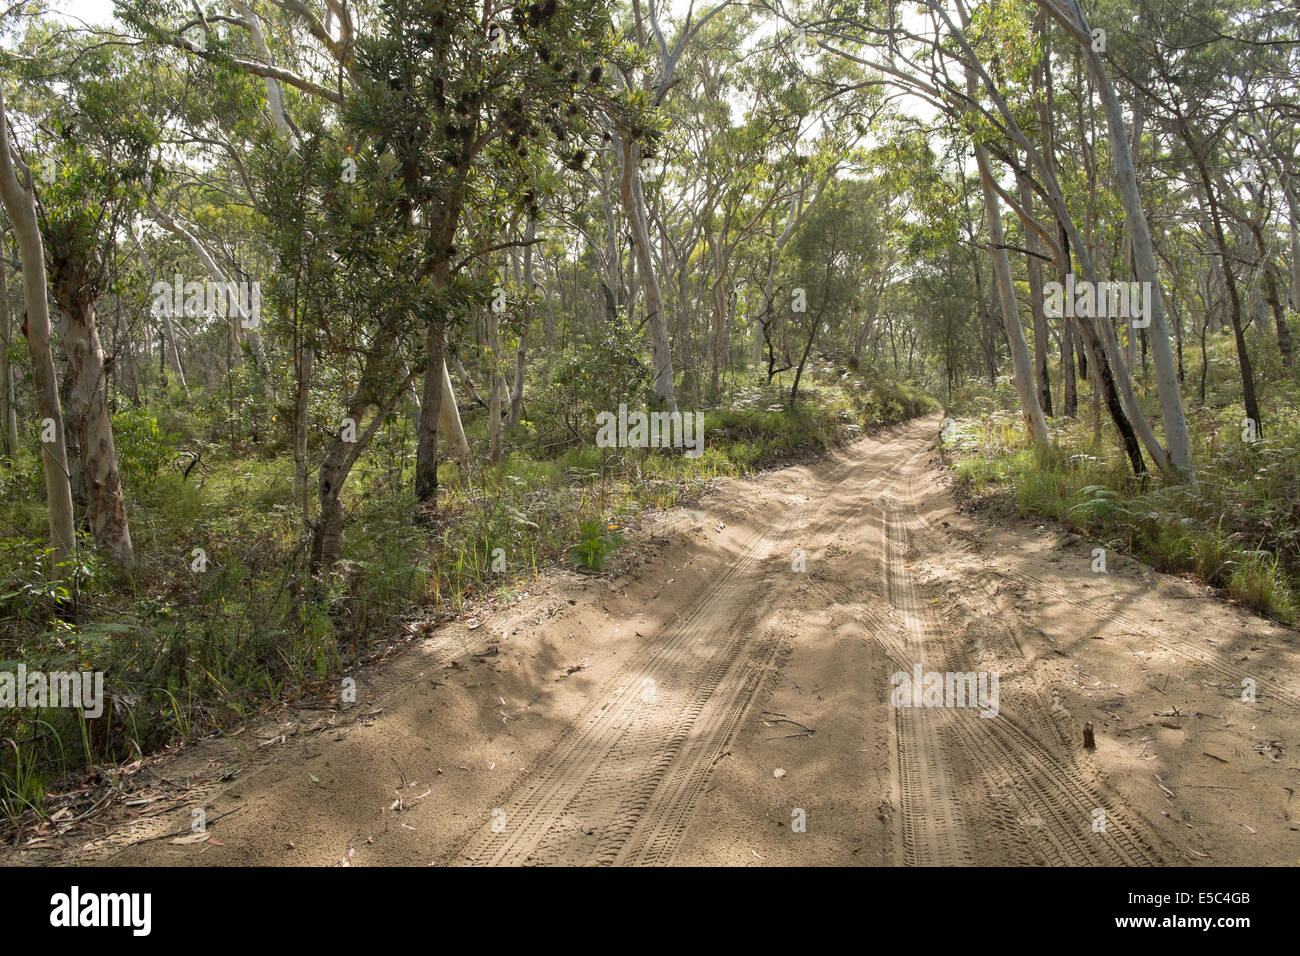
771,717
182,832
783,719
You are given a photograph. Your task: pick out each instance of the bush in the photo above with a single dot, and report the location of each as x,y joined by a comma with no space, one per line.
142,449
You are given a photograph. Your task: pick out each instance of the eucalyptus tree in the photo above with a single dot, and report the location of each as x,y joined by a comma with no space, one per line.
18,194
635,135
464,99
96,139
827,258
1178,450
922,61
1192,101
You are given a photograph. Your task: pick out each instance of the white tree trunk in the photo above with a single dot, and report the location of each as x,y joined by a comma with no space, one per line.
19,200
656,321
1178,444
449,423
274,95
1021,364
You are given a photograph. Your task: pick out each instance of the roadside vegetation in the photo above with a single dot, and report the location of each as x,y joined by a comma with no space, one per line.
1237,528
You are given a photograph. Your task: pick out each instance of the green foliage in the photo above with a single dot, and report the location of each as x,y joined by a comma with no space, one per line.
143,451
596,542
595,375
1100,503
27,591
1237,528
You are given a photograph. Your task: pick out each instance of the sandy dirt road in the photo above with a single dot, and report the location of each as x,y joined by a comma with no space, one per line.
726,697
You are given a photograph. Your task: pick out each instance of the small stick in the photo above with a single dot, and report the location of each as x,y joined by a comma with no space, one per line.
183,832
787,720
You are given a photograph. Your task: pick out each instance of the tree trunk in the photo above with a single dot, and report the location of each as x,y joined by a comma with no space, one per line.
327,532
1069,339
1271,294
301,493
438,411
449,423
88,422
426,453
656,321
8,411
525,317
1294,205
611,282
719,340
1230,280
1047,123
494,384
1033,266
20,204
1022,369
465,380
1279,318
803,359
1178,445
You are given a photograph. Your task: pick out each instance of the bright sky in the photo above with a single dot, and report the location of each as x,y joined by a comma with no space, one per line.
91,11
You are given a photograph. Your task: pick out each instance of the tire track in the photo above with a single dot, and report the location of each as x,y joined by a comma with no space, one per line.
1003,754
580,757
1205,655
623,788
931,828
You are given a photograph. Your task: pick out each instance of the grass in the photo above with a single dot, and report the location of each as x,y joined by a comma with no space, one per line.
1237,528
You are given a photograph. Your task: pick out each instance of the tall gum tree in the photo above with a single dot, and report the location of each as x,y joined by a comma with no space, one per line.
19,196
1178,445
101,139
629,136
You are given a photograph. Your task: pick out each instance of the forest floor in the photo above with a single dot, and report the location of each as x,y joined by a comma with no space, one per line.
703,702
